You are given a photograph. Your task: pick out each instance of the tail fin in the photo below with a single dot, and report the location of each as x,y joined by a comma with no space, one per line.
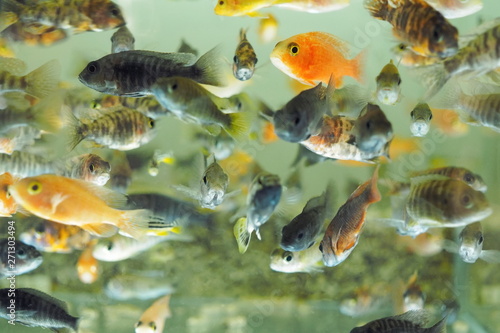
211,66
358,66
43,80
47,114
434,77
76,133
240,123
141,222
377,8
241,234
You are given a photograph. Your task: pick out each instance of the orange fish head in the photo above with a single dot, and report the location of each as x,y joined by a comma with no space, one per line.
34,194
289,56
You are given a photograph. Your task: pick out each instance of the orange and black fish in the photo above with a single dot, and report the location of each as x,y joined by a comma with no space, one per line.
417,23
244,59
342,234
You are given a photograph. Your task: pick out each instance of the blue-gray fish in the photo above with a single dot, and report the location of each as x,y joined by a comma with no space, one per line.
122,40
302,116
372,130
36,309
302,231
421,117
244,59
408,322
23,257
121,128
132,73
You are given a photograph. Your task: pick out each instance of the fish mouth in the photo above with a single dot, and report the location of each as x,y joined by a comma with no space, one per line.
448,52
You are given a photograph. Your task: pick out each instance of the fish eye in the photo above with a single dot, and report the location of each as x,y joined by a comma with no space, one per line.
368,124
7,193
21,253
412,114
300,235
151,123
34,188
235,59
402,47
293,48
466,201
172,87
288,256
437,36
430,118
321,247
152,325
110,246
468,178
139,323
114,10
256,61
91,167
205,180
399,81
93,67
297,120
221,3
40,228
480,240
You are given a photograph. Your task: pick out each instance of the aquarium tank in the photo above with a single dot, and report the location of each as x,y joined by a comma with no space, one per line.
314,166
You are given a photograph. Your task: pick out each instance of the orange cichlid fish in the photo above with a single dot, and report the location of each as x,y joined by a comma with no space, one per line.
8,205
342,234
88,266
76,202
417,23
312,57
153,319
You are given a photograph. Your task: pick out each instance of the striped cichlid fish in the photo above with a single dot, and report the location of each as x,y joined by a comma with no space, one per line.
421,117
437,202
132,73
36,308
121,128
472,179
244,59
88,167
388,84
418,24
122,40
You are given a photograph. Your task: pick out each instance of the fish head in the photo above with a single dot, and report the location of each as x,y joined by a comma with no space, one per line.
228,8
469,252
98,75
296,237
27,258
105,15
34,194
288,55
291,125
419,127
372,129
475,181
146,327
96,170
284,261
471,242
388,84
465,205
441,38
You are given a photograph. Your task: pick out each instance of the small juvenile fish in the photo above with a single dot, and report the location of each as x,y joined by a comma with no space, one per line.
8,205
263,197
302,116
126,287
36,309
153,319
342,234
50,236
410,322
316,56
388,84
157,159
302,231
87,266
132,73
222,145
76,16
213,186
268,29
18,258
421,117
468,177
192,103
122,40
470,245
122,129
244,59
415,22
56,198
89,167
438,202
306,261
456,8
39,83
413,297
372,131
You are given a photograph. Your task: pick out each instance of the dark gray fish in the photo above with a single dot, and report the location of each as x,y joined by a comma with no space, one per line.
408,322
186,48
132,73
372,130
302,116
302,231
36,309
23,257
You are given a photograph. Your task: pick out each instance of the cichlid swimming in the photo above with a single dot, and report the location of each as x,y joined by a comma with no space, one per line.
437,202
192,103
23,258
408,322
147,105
302,116
89,167
342,234
372,131
315,57
421,117
122,129
132,73
302,231
37,309
121,172
388,84
244,59
153,319
413,297
468,177
305,261
122,40
415,22
126,287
